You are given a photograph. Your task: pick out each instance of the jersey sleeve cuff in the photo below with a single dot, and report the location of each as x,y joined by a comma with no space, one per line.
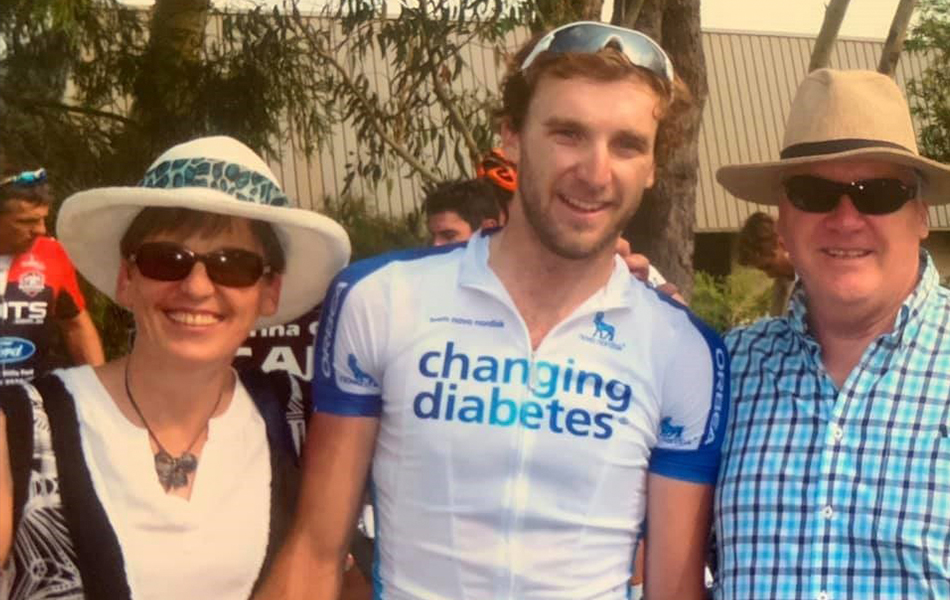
331,400
685,466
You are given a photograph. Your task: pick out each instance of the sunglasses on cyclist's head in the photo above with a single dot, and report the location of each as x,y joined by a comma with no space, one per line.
230,267
813,194
25,178
588,37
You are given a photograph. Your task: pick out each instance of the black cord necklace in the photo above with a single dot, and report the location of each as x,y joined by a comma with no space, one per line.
172,472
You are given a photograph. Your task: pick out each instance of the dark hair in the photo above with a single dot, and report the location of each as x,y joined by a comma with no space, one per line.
608,64
34,194
473,199
757,240
185,221
502,198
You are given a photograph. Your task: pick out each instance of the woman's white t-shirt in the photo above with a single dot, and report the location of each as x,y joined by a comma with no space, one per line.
211,546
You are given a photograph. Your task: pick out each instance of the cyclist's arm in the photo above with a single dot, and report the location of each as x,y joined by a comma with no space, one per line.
82,339
79,332
678,520
684,464
340,441
336,463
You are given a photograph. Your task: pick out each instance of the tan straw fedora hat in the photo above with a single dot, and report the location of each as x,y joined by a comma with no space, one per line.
838,115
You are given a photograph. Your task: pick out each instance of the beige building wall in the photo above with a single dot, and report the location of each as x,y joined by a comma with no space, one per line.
752,78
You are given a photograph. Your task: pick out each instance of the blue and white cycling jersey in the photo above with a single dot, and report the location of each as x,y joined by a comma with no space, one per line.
506,472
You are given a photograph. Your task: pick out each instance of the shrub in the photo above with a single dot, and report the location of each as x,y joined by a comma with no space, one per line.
739,298
370,232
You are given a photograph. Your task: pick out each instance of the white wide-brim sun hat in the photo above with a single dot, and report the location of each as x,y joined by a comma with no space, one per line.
218,175
836,116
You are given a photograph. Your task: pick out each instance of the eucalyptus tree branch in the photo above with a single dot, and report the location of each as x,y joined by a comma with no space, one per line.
33,103
455,117
398,148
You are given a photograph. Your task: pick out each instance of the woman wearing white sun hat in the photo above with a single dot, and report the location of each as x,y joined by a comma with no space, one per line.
164,473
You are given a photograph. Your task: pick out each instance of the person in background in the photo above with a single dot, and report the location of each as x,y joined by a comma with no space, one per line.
456,209
835,476
165,473
38,289
760,247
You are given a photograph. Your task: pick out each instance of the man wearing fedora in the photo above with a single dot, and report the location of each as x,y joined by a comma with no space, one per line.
835,479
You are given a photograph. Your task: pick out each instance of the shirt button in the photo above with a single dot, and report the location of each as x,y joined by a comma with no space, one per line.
837,432
822,596
827,512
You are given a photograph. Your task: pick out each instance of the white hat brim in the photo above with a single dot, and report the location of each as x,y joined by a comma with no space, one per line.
91,224
762,182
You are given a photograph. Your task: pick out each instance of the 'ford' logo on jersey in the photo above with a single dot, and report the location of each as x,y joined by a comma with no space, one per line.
14,349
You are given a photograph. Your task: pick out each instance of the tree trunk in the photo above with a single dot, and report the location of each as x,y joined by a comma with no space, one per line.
552,13
626,12
167,84
663,227
895,37
591,9
834,15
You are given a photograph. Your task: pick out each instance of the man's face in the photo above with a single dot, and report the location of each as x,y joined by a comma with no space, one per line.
846,258
447,227
585,156
21,222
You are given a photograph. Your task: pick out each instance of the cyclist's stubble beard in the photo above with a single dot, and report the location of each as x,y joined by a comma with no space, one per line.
558,237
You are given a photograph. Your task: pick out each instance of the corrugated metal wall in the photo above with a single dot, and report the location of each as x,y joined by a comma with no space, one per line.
752,78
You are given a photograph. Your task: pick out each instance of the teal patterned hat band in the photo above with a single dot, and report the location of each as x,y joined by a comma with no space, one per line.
230,178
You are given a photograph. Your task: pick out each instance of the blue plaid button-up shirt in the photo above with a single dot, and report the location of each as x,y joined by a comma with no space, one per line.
835,494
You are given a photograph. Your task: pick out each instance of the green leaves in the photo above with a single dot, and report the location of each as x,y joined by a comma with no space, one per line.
929,95
739,298
403,83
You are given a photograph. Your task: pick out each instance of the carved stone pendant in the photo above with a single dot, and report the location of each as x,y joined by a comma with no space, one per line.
173,472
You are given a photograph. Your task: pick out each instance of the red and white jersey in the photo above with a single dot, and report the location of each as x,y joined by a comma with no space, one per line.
40,288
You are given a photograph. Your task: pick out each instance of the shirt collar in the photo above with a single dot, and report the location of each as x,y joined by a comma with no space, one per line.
475,273
909,312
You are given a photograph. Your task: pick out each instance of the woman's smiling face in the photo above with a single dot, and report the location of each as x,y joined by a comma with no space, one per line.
195,319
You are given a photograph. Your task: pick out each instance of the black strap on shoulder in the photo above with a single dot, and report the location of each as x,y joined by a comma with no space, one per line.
16,406
271,395
98,554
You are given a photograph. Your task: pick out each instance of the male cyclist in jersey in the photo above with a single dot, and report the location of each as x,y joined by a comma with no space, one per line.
530,408
38,288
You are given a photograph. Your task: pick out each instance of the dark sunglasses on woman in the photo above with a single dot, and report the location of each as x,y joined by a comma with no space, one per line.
230,267
870,196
